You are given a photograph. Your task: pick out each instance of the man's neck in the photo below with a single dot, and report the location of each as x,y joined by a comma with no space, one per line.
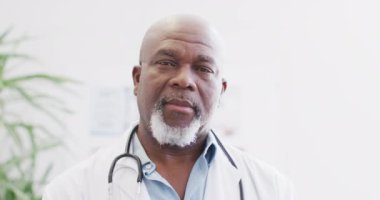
174,163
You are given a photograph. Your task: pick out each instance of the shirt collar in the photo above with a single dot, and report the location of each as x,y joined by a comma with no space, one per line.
210,150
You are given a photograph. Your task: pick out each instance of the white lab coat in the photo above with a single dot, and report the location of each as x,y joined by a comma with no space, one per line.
88,180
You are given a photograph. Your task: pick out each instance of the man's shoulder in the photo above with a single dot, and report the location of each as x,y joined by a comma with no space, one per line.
251,162
78,178
261,175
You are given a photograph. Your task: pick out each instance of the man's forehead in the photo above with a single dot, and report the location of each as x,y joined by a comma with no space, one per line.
182,24
194,35
184,28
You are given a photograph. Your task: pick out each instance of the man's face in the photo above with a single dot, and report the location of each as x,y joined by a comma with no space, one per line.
179,76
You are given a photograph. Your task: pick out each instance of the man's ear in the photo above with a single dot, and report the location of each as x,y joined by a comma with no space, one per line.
136,72
224,88
224,85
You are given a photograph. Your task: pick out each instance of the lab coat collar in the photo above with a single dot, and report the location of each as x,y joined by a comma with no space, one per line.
222,173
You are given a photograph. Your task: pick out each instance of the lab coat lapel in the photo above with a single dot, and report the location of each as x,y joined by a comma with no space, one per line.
223,179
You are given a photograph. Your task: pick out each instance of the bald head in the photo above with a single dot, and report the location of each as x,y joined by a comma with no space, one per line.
189,28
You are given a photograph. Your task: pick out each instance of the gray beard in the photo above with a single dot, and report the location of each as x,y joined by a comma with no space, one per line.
178,136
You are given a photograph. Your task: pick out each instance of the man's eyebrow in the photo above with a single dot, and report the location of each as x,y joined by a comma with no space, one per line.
167,52
174,54
204,58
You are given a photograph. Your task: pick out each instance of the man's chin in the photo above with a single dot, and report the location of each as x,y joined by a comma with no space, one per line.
174,132
178,123
178,120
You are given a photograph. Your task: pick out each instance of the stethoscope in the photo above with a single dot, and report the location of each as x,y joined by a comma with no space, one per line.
139,165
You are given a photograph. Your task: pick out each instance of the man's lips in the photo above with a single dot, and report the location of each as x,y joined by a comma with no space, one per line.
179,105
180,102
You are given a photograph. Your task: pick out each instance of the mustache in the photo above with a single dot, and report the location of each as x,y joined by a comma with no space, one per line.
165,99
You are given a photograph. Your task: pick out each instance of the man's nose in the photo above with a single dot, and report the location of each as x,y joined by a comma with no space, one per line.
183,78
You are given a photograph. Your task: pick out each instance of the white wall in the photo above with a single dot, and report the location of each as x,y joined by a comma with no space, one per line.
304,77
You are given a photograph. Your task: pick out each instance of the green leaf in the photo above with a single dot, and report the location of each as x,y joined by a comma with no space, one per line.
17,41
9,194
4,57
19,194
14,55
15,160
48,101
3,173
44,130
4,35
3,61
49,98
53,79
46,174
17,181
37,95
17,167
41,129
37,106
34,151
12,130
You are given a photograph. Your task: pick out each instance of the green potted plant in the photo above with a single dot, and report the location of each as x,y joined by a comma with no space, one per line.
23,138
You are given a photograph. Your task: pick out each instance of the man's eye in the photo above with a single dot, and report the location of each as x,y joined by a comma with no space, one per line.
166,63
205,69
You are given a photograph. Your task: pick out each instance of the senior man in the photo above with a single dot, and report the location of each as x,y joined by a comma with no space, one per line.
172,153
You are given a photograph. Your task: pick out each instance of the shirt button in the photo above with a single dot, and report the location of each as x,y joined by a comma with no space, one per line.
148,166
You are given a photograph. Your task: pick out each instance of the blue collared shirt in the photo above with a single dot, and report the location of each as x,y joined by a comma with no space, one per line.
160,189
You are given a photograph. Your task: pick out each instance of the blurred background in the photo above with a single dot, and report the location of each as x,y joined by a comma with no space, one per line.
304,81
